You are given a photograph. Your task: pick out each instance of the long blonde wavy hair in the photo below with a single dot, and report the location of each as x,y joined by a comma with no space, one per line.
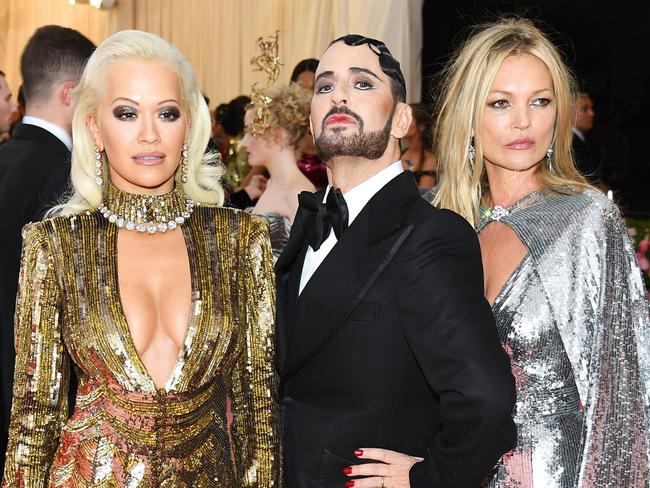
465,85
203,170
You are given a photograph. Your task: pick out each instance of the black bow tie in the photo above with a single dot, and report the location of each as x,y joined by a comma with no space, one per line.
319,218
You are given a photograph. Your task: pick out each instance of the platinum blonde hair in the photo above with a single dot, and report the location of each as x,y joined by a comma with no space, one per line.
204,171
465,86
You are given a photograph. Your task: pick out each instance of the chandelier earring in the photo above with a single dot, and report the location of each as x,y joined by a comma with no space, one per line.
99,167
184,163
471,152
549,156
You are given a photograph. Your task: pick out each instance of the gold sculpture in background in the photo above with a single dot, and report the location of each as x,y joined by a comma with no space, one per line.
266,60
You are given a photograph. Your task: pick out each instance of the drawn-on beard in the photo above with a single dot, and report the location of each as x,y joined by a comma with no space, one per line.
361,145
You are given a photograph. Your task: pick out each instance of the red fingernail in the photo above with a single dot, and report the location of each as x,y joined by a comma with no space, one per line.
358,452
349,484
347,470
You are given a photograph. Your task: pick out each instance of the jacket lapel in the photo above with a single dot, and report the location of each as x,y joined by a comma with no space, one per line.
348,271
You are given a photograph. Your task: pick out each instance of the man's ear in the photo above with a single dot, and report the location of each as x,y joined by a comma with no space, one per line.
91,123
401,120
64,93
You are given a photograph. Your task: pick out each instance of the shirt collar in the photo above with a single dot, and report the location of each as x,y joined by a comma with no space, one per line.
57,131
579,134
360,195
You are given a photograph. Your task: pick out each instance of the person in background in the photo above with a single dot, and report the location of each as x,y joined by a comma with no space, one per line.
243,185
417,157
308,160
35,168
559,268
159,298
304,72
585,153
273,146
7,108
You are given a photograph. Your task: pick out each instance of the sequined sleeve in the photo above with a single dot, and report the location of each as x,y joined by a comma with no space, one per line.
40,400
255,408
618,411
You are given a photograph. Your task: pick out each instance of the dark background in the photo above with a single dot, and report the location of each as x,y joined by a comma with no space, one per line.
606,43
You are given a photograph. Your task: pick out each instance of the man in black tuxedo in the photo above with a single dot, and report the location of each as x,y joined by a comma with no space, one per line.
34,169
585,154
391,371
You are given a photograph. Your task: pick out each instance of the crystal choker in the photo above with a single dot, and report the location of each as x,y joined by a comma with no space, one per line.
498,212
146,213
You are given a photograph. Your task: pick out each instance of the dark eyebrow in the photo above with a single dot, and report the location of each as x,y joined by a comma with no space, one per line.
354,70
136,103
324,74
364,70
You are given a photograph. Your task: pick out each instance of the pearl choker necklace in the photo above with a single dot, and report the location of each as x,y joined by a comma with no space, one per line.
146,213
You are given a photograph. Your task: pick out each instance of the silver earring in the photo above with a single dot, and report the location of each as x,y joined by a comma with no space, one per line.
471,152
184,164
549,156
99,171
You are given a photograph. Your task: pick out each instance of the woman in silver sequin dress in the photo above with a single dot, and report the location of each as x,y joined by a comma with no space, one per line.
272,143
560,271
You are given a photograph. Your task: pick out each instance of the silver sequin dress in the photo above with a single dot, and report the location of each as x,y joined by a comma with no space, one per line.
574,319
279,230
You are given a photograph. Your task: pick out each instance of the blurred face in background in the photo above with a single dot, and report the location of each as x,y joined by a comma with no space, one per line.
141,125
306,80
7,106
260,149
584,113
519,115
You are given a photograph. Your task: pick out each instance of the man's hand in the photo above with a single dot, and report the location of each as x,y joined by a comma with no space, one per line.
391,472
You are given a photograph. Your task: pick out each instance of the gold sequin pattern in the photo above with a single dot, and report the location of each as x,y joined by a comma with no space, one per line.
125,431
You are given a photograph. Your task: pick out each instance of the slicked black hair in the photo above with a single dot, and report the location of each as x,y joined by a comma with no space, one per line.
387,62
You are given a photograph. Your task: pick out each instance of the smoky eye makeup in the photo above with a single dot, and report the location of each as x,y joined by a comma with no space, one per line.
170,113
124,112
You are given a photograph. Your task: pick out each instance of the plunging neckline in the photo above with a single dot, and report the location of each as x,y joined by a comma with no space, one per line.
513,276
123,325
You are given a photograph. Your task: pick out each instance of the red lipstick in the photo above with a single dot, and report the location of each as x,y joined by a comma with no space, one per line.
339,119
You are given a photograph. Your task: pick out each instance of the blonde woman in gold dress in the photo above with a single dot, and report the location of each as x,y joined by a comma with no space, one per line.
160,299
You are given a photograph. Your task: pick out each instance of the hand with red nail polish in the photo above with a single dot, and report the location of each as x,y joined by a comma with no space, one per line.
349,484
392,470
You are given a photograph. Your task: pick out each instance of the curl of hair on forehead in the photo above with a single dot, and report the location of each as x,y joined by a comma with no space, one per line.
204,170
465,84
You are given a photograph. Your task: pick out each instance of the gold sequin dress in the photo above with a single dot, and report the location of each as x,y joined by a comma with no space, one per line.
125,431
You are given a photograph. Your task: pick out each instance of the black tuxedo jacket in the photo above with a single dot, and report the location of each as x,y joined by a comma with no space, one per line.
587,158
391,344
34,174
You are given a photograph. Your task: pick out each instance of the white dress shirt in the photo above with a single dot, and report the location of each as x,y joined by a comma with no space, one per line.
59,132
356,199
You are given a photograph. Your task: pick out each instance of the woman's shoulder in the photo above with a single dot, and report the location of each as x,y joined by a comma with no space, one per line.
60,224
233,218
586,202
